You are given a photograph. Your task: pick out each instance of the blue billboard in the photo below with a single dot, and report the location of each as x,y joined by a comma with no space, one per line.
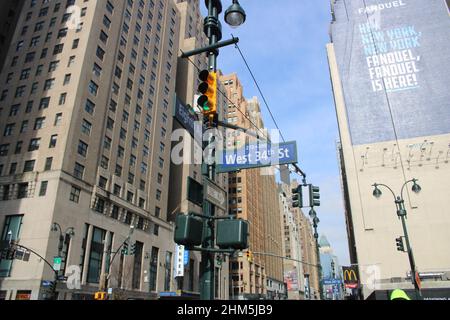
393,59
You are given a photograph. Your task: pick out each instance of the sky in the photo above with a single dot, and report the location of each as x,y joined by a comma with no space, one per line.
284,44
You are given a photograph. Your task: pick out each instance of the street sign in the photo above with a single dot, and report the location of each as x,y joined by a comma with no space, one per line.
186,257
46,283
179,262
256,156
57,263
215,194
329,282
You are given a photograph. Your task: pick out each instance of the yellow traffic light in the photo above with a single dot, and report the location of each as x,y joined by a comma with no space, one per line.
100,295
208,89
249,256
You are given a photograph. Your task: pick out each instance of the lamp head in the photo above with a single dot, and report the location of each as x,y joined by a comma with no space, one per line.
235,15
377,192
416,188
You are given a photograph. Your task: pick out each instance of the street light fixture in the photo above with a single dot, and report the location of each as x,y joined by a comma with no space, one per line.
401,213
235,15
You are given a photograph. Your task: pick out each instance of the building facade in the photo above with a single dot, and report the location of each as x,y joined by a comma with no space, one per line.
86,98
389,71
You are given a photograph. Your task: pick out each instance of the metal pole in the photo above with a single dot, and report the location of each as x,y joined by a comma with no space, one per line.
207,263
412,263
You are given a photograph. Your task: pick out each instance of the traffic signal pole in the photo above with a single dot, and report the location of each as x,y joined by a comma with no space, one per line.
207,271
213,31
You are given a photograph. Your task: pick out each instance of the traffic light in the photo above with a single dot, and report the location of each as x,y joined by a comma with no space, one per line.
133,249
125,248
208,88
7,253
100,295
314,196
400,246
211,120
297,197
249,256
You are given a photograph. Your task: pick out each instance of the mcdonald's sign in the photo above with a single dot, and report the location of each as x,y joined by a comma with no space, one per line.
351,279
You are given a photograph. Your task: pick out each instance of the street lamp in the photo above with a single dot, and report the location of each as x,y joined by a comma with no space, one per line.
401,213
235,15
69,232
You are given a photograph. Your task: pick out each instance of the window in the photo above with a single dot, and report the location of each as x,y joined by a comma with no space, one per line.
67,79
49,84
29,166
9,128
13,168
96,255
53,141
62,98
153,268
157,212
89,107
53,66
75,43
75,194
86,127
18,147
103,37
10,232
130,196
44,103
34,144
58,118
39,123
78,171
24,126
93,88
100,53
71,61
4,148
97,70
48,164
82,148
14,110
58,49
156,230
117,190
43,188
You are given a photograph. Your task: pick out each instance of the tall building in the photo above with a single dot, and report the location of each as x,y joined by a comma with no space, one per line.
192,37
253,197
390,72
8,17
86,117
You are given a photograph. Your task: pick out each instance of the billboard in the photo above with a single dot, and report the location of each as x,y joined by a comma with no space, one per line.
393,59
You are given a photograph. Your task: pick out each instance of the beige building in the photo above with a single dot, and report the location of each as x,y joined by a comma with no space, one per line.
86,116
373,224
253,197
191,37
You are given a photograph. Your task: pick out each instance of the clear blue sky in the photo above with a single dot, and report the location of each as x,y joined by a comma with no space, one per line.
284,43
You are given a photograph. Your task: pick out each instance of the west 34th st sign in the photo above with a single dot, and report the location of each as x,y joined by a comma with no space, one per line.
256,156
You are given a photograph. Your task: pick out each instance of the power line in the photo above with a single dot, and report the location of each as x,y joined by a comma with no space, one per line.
260,91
